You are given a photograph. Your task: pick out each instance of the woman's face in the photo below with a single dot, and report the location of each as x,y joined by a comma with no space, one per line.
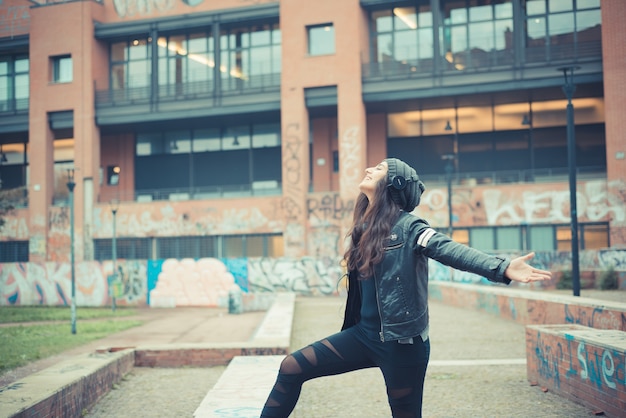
373,175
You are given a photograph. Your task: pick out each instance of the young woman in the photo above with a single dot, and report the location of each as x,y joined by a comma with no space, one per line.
386,317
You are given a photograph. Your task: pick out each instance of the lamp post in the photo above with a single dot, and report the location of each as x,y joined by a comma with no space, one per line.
449,158
568,89
70,186
114,208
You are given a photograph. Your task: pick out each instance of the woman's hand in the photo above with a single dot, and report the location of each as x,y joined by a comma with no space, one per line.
520,271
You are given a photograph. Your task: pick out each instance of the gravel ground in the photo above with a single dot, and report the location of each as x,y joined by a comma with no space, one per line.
450,390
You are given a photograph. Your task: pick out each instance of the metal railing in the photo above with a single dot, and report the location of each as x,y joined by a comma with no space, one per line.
475,60
545,175
14,106
187,91
257,189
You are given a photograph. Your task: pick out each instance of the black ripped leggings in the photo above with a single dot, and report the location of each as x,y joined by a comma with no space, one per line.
403,367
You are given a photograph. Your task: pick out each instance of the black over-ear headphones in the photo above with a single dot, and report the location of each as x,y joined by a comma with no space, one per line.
400,182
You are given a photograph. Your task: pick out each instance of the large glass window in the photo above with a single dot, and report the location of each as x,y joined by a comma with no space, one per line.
250,56
186,63
592,236
563,29
198,159
218,246
402,37
130,67
14,83
509,142
477,34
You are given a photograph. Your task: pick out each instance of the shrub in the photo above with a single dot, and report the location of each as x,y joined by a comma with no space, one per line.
607,279
565,282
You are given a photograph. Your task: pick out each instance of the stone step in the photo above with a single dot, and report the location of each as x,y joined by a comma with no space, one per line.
242,389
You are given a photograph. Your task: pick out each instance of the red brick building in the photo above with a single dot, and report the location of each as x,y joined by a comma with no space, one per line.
241,128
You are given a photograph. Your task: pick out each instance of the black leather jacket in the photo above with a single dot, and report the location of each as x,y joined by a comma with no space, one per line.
401,279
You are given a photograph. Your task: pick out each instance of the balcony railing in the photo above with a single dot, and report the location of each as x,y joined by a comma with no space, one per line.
13,106
187,91
476,60
545,175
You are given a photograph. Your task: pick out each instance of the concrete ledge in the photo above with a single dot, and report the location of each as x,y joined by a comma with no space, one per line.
531,307
66,389
242,389
584,365
272,337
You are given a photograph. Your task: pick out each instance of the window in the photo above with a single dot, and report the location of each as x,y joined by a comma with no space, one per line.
210,162
186,64
250,56
557,30
125,248
13,251
14,83
63,161
113,175
62,71
226,246
131,67
321,39
477,36
403,37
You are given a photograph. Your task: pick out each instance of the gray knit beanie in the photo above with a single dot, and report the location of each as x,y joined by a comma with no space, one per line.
404,184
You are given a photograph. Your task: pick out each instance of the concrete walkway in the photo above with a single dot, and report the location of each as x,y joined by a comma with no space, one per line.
477,366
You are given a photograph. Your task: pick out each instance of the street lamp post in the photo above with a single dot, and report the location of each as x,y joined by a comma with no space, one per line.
114,208
568,89
449,158
70,186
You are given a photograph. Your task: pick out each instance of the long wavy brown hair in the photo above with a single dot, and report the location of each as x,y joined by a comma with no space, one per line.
370,227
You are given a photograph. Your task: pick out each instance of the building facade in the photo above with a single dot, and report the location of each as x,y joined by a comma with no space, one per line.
242,128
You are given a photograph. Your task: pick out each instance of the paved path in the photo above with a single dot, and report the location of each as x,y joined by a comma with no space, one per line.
477,369
161,326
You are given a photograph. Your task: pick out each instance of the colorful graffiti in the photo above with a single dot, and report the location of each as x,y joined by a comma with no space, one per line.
188,282
51,283
581,363
207,281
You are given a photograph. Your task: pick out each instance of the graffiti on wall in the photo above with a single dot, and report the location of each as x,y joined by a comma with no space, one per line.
207,281
293,206
597,366
130,8
325,213
351,173
307,276
50,283
14,19
593,204
188,282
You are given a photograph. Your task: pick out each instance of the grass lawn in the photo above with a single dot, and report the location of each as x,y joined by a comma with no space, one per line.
24,343
57,313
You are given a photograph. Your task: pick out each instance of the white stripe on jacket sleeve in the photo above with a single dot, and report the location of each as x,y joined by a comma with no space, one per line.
426,236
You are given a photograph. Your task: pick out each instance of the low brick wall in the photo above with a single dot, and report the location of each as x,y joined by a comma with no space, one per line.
585,365
200,356
67,389
531,307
